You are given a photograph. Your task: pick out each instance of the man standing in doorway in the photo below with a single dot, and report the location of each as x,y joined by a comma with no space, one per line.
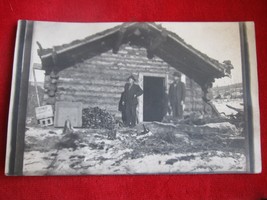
131,92
177,96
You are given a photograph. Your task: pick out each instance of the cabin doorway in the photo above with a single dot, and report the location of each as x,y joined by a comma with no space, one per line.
153,99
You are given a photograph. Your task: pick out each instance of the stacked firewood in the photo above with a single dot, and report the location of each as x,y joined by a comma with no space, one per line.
96,118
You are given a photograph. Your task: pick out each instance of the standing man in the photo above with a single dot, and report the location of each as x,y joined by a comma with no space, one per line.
131,92
122,107
177,96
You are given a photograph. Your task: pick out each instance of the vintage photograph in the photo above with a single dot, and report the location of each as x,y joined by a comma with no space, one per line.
139,98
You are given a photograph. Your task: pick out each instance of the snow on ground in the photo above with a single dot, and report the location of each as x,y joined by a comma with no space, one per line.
194,163
89,161
127,154
220,104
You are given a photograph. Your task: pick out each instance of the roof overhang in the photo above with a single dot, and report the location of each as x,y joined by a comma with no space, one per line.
158,41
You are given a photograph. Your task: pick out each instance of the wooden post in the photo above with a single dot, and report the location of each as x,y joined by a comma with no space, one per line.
36,87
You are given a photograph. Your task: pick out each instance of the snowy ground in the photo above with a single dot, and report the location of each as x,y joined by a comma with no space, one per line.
220,104
166,149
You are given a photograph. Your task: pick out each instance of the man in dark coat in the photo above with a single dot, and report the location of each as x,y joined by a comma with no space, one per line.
131,92
122,107
177,96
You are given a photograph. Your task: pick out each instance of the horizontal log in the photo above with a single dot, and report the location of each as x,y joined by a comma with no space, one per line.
89,93
84,87
91,99
136,62
124,52
133,60
98,76
110,61
98,82
144,68
91,72
99,96
129,68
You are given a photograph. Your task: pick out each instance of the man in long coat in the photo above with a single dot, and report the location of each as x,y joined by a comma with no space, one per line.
122,107
177,96
131,92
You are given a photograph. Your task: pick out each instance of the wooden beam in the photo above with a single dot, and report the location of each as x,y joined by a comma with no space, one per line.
120,36
156,42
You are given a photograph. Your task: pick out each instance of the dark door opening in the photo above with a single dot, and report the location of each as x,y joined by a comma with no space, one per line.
153,98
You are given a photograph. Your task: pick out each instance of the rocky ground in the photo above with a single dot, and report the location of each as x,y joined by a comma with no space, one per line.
165,148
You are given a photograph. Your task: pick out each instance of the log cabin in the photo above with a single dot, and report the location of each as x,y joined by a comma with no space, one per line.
93,70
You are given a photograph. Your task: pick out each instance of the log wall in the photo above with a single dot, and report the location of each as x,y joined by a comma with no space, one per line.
99,81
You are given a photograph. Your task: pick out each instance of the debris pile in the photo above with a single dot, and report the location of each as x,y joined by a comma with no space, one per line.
97,118
70,140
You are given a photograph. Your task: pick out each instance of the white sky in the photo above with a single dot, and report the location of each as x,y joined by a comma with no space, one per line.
218,40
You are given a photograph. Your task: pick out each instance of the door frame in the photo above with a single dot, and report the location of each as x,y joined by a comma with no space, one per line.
140,108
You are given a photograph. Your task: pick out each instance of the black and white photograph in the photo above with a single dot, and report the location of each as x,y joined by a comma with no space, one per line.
134,98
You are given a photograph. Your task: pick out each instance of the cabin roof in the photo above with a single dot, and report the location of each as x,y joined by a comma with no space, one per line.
157,40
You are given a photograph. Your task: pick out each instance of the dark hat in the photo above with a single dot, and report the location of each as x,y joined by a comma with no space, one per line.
131,77
177,74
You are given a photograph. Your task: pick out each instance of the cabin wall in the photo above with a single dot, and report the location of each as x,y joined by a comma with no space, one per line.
99,81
